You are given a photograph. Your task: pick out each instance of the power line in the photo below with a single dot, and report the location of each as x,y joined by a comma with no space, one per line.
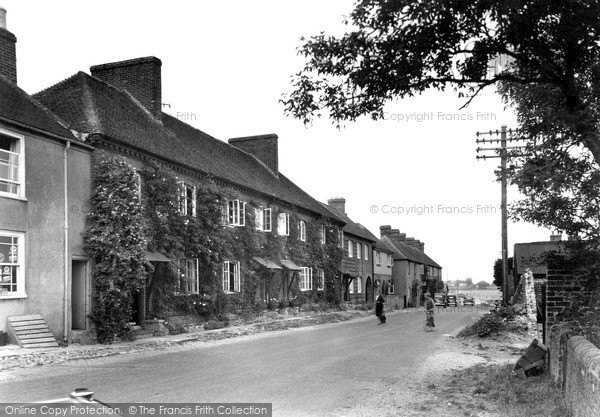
501,137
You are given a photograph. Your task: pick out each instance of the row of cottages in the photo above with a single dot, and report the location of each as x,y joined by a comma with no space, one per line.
413,271
275,239
44,182
357,265
220,217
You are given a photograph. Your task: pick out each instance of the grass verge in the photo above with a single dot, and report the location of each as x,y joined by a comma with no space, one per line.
492,388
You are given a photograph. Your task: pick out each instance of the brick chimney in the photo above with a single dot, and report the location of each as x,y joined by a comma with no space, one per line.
141,77
410,241
385,230
263,147
338,203
8,50
422,246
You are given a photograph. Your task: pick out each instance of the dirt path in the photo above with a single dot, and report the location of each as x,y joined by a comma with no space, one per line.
438,387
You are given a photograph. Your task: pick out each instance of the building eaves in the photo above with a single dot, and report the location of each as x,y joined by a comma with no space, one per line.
93,106
351,227
25,111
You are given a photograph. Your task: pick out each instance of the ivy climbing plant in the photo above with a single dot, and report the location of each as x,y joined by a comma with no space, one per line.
180,237
123,225
115,240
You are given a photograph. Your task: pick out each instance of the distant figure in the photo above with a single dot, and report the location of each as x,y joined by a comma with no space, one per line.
379,308
429,309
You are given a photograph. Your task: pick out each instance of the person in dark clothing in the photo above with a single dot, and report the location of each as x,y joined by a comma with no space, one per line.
429,309
379,308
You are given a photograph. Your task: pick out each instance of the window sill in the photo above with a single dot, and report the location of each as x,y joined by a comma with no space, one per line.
13,297
12,196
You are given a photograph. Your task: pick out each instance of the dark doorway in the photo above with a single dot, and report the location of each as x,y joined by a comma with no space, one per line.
80,287
369,290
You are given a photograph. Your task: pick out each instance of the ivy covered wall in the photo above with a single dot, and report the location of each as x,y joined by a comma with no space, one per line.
203,234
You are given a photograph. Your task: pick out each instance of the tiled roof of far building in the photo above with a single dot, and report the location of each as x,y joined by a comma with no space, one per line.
402,251
533,255
96,107
20,108
380,246
351,227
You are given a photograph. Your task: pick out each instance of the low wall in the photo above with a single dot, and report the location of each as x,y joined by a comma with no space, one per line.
575,365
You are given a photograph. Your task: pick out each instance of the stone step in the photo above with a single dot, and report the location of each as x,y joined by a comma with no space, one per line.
31,331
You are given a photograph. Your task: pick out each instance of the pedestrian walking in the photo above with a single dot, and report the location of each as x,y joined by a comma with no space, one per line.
379,308
429,309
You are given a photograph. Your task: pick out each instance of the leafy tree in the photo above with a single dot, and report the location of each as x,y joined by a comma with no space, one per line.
398,48
551,75
469,282
556,174
498,272
483,284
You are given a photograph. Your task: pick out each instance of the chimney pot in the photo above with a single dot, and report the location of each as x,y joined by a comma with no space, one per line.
385,230
8,50
2,18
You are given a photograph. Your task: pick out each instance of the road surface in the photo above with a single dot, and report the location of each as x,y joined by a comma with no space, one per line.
315,371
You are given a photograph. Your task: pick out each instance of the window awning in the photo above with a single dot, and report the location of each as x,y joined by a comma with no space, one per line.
156,257
290,265
266,263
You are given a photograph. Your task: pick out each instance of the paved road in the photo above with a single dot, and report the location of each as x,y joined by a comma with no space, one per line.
310,371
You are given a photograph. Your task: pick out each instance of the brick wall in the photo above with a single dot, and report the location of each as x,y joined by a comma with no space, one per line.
141,77
574,361
263,147
564,289
8,55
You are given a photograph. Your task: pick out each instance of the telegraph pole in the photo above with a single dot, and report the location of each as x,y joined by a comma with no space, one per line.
501,152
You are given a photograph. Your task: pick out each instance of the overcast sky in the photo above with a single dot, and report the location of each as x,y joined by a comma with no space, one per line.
225,66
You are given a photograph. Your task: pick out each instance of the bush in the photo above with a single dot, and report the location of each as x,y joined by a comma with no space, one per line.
343,307
212,325
507,313
485,326
175,328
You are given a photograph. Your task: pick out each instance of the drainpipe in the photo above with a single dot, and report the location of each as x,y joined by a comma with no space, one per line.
66,238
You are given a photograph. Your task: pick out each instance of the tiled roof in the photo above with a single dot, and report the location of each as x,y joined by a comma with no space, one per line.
351,227
380,246
402,251
93,106
19,107
532,255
